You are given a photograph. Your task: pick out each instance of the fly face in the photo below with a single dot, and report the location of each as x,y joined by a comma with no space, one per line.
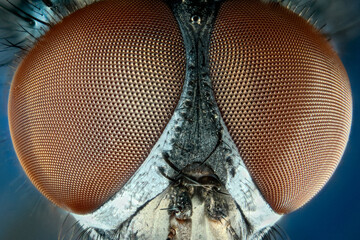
194,206
180,119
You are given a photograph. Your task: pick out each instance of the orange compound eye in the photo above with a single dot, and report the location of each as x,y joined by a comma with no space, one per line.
284,97
92,97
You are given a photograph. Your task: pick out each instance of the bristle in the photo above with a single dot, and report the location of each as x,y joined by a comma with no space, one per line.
25,22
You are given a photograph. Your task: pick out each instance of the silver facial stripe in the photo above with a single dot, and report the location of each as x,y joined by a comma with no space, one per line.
168,197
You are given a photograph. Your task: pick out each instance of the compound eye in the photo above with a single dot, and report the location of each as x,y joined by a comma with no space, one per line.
284,96
92,97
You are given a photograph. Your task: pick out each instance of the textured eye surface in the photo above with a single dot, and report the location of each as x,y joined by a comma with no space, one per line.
92,97
284,96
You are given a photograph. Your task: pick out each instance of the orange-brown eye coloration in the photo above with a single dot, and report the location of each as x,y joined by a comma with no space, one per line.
92,97
284,96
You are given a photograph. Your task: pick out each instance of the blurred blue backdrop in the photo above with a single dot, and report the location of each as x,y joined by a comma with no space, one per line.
332,214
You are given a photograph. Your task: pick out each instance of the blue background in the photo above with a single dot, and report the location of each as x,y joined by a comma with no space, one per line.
332,214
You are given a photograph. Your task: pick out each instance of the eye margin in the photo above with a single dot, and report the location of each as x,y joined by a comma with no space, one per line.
313,51
25,22
152,89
